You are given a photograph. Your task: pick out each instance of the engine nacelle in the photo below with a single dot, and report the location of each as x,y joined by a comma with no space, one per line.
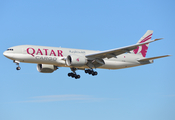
76,60
46,68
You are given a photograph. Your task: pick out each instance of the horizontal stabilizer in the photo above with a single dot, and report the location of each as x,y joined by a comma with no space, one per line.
152,58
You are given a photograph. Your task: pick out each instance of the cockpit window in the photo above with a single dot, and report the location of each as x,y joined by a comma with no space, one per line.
9,49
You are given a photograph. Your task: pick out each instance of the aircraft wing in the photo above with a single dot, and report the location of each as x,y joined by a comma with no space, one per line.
117,51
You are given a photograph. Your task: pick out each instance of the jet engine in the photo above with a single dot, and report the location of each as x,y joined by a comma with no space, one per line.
76,60
46,68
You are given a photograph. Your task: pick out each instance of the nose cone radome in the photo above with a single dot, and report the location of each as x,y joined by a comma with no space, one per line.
8,55
5,53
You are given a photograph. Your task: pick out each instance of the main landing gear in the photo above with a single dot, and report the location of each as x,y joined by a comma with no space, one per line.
90,71
17,63
73,74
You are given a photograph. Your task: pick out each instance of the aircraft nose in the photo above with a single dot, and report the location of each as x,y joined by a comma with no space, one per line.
7,54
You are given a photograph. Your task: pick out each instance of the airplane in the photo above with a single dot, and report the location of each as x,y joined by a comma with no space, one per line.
49,59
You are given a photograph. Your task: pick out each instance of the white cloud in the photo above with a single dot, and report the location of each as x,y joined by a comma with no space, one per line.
170,95
52,98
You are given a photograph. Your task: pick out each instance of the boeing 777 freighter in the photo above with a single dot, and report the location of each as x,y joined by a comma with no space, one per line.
48,59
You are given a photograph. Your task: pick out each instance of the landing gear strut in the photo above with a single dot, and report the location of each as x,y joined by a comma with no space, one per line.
73,74
90,71
17,63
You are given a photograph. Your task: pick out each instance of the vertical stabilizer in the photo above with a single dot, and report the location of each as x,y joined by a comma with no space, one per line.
142,50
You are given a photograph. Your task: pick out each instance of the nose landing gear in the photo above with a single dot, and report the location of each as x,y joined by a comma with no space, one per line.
17,63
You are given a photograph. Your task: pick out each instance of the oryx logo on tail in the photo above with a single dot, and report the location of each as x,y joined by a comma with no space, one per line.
143,49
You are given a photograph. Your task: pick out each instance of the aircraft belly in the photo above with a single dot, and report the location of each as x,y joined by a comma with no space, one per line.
117,64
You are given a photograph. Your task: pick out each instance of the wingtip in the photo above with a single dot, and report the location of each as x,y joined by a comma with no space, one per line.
168,55
158,39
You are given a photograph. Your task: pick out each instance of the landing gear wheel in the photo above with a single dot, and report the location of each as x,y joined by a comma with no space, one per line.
69,74
77,76
18,68
95,73
89,71
86,71
74,75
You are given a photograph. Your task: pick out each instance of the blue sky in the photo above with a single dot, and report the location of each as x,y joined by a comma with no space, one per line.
145,92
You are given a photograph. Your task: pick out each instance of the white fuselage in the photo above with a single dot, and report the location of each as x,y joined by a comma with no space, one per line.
57,55
48,59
